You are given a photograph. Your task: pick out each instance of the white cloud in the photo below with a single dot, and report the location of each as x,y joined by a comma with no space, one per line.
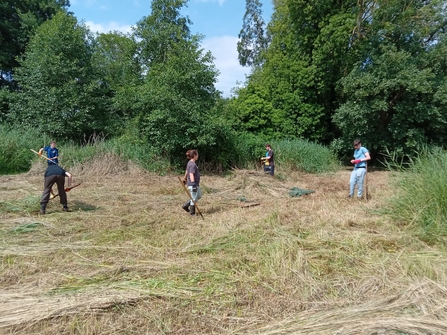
219,1
224,49
110,26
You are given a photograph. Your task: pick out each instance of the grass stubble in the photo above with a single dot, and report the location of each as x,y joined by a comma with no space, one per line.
128,260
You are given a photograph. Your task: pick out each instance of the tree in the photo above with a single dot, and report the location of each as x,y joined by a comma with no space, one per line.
61,93
395,94
177,94
18,22
253,39
114,58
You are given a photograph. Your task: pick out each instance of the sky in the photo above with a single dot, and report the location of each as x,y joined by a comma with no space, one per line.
220,21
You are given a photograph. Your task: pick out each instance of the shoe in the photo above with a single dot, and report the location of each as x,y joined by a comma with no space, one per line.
65,209
350,196
186,206
42,209
192,210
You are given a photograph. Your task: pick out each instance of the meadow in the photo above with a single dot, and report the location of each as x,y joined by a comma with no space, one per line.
128,260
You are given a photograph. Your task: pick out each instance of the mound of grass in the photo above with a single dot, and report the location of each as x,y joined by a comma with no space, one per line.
26,228
25,205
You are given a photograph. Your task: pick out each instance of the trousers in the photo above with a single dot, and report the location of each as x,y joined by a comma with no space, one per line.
48,184
195,195
357,177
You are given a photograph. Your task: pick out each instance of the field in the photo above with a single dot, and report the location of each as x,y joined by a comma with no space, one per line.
128,260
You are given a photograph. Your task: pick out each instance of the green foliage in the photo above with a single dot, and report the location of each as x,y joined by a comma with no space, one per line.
281,99
18,22
252,37
6,99
336,71
421,192
174,103
303,155
15,145
61,92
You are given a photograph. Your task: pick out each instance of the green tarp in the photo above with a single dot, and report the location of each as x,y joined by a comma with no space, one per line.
298,192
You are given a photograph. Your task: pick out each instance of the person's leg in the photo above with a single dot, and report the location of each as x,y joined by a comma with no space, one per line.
186,205
195,197
272,170
352,183
60,182
48,184
361,177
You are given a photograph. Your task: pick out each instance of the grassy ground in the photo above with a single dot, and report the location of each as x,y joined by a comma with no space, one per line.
128,260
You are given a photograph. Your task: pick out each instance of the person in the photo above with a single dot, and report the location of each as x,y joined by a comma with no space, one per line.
192,181
361,156
52,153
269,161
54,174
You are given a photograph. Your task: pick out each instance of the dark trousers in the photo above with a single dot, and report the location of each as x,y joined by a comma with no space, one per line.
270,169
49,182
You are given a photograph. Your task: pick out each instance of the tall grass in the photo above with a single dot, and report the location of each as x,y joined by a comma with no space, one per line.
142,154
239,150
421,193
15,145
306,156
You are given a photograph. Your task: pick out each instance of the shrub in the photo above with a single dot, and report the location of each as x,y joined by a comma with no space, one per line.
15,145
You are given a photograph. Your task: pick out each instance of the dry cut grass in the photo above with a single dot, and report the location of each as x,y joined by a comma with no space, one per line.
128,260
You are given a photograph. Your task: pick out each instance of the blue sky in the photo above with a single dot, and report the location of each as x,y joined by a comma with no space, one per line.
218,20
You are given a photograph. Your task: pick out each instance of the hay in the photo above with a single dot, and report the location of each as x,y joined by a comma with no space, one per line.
415,311
24,309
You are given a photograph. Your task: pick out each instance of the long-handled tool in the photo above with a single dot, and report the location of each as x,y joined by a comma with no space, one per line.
189,195
366,183
67,189
48,159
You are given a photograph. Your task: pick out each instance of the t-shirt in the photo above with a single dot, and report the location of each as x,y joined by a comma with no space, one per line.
270,154
54,170
192,168
358,154
51,153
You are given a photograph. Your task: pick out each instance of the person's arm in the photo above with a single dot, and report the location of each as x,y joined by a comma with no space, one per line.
363,159
70,178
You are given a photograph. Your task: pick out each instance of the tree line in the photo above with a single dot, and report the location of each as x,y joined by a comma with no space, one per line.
326,71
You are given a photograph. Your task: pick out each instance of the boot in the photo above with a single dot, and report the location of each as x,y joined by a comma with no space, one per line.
192,210
186,206
42,208
65,208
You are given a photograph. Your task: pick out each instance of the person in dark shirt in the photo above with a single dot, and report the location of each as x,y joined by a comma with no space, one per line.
52,153
192,181
54,174
269,160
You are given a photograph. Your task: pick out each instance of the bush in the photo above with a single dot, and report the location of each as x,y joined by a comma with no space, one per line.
15,145
421,192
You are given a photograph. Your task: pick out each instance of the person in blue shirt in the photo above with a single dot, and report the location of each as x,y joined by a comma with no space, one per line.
52,153
361,156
